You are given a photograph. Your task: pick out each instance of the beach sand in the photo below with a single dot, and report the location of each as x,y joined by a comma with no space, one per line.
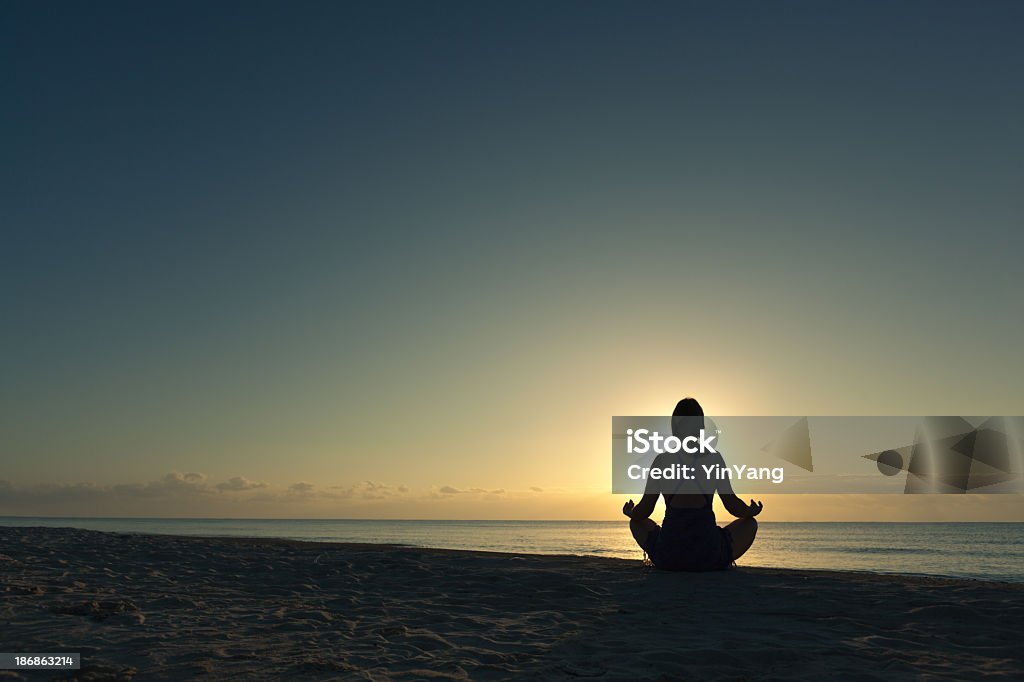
176,607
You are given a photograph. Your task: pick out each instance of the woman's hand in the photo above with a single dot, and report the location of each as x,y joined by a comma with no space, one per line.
755,508
627,509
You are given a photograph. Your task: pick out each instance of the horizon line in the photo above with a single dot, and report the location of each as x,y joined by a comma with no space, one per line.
267,518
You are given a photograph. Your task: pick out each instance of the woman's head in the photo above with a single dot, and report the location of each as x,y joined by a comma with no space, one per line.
687,418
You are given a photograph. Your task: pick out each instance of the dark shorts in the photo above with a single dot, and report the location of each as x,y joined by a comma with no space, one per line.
689,549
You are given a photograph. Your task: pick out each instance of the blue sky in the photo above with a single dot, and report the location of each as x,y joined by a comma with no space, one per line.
308,243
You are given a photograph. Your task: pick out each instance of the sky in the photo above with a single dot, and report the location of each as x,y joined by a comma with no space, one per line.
406,260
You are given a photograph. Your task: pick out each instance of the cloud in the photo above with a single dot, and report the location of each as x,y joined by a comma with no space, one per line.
368,490
450,490
92,498
536,489
365,490
240,483
194,494
171,485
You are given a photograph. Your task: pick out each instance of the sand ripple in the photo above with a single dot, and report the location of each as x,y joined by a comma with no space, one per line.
171,607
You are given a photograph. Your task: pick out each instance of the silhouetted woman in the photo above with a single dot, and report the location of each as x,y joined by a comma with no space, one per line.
689,539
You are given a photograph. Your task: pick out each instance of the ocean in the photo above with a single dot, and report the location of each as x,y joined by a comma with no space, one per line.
990,551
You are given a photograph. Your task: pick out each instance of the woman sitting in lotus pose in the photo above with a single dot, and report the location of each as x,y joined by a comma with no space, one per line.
689,539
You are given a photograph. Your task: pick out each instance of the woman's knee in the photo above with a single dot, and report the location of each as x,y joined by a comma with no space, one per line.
745,527
641,528
642,523
742,532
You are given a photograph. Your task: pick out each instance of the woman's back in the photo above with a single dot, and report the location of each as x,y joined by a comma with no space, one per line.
689,538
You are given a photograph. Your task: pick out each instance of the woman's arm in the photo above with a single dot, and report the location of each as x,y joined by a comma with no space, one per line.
733,504
739,508
650,498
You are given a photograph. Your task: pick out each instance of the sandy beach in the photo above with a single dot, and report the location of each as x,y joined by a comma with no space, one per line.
150,606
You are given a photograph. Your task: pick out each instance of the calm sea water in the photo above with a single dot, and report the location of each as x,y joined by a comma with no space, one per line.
993,551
